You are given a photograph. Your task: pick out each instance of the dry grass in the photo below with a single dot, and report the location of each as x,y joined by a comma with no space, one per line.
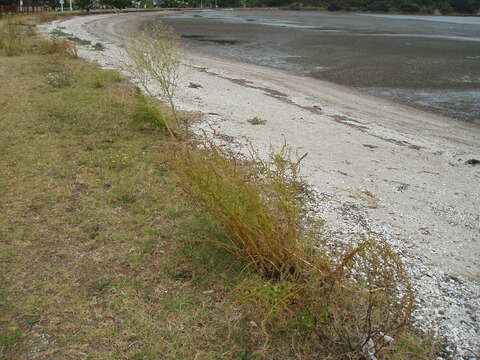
18,36
94,261
258,211
344,301
155,54
11,39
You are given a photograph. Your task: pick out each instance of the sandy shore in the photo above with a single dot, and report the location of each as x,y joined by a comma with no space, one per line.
377,166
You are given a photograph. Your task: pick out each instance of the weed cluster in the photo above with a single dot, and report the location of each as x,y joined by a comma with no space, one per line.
145,115
59,79
345,300
119,161
79,41
155,53
99,46
58,33
256,207
257,121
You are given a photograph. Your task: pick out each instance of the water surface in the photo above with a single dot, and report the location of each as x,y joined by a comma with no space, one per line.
427,61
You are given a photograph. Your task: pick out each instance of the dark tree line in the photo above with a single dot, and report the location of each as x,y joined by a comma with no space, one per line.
406,6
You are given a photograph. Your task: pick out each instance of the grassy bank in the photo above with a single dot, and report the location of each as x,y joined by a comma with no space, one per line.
120,242
95,252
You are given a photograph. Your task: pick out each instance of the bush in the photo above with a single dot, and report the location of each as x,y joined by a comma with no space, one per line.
409,6
343,300
99,46
334,5
465,6
256,206
379,5
146,115
257,121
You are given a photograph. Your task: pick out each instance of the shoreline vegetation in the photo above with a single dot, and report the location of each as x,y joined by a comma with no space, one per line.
468,8
291,7
120,241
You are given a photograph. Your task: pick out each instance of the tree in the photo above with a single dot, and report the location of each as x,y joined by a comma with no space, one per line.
53,4
334,5
409,6
465,6
85,4
379,5
117,4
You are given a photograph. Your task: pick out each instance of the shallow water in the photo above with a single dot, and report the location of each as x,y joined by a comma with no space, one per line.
427,61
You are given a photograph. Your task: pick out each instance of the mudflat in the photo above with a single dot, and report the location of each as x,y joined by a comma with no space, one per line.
428,61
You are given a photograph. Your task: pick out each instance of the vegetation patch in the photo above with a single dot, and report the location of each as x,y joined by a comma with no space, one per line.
257,121
79,41
99,46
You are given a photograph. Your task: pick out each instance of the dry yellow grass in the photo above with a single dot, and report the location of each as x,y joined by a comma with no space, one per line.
92,228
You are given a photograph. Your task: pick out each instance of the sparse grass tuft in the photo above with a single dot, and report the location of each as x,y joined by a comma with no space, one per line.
145,115
58,32
79,41
257,121
99,46
98,82
255,206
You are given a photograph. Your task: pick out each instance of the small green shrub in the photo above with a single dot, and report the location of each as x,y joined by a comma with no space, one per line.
98,82
146,115
79,41
256,206
348,300
99,47
58,32
116,77
257,121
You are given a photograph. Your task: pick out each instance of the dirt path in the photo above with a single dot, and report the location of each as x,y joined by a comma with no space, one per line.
377,166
